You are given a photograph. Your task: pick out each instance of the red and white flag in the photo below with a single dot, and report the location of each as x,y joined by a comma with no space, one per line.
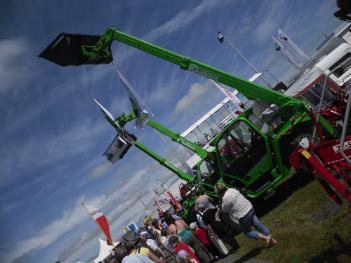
100,220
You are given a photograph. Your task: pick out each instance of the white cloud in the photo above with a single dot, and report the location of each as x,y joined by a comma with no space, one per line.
184,18
116,206
53,231
10,69
269,16
8,207
178,22
39,151
100,170
196,102
196,92
12,64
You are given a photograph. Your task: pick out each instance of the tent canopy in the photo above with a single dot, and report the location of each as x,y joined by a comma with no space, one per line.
104,251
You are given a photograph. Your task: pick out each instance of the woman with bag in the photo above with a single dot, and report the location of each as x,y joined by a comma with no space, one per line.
240,209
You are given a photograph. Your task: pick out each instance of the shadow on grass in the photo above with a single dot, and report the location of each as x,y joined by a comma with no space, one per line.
283,191
251,254
331,254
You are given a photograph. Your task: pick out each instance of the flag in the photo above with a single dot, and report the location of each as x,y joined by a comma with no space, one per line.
282,35
278,46
220,36
285,52
293,48
291,44
101,221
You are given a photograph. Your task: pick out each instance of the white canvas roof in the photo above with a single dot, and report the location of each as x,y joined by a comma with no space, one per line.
104,251
306,79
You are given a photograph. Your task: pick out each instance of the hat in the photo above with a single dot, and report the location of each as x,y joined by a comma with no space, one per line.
193,225
147,219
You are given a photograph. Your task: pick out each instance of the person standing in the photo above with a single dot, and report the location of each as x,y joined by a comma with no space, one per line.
180,228
202,235
240,209
216,228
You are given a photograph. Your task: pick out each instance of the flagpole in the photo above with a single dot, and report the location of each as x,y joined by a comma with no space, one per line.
222,38
285,54
285,37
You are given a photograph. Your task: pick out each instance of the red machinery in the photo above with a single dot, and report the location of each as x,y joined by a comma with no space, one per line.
330,160
326,162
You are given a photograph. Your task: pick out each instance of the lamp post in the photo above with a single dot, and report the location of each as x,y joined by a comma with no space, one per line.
221,39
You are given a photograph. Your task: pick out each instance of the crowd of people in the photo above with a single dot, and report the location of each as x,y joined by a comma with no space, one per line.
169,238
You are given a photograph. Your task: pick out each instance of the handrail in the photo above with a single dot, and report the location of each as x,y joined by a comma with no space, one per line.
323,94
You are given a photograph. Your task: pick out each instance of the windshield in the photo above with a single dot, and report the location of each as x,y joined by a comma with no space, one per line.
240,148
208,172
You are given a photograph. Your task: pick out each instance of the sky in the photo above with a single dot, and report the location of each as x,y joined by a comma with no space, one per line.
52,135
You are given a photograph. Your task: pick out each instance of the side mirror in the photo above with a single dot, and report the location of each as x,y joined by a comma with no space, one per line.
66,50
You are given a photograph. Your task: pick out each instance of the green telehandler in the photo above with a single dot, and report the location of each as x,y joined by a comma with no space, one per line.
251,152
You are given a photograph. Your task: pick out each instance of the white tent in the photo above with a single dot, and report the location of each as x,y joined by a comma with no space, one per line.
104,251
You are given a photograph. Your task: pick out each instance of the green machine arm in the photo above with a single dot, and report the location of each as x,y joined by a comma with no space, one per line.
124,140
183,175
123,119
102,50
73,49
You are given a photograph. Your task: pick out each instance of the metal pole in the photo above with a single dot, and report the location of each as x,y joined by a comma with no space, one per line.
221,38
346,113
344,127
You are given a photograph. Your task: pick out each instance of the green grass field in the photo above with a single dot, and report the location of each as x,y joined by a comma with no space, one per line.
308,226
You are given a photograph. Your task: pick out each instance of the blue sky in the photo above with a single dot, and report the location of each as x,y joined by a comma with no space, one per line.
52,135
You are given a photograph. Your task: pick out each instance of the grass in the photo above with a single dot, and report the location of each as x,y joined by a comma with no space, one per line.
307,224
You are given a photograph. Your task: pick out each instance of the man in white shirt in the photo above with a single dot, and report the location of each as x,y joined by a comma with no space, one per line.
241,210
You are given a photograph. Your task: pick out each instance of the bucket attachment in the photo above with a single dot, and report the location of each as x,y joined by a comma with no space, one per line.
119,147
66,50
